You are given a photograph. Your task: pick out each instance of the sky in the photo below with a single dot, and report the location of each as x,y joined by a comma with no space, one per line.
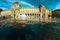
49,4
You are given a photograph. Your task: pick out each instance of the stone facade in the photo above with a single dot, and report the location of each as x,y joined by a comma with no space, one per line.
45,14
26,14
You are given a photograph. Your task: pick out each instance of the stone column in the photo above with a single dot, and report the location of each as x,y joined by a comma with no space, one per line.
41,15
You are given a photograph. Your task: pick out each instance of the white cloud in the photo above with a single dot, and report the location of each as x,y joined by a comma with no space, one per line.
12,0
3,8
21,2
25,3
58,6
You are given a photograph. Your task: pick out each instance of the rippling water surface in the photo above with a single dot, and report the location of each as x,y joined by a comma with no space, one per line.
30,32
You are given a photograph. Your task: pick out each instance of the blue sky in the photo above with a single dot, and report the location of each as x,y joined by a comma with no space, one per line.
49,4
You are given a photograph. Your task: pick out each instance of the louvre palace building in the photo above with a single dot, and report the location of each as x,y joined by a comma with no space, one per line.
27,15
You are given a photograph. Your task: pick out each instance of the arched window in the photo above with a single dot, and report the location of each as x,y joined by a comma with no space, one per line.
20,14
28,14
35,14
39,14
32,14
